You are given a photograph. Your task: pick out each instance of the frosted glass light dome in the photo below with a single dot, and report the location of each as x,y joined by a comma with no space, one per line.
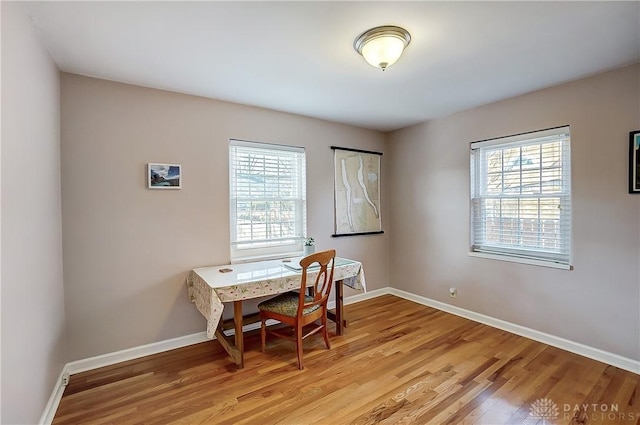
382,46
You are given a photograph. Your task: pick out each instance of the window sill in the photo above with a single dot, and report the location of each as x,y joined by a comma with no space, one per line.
279,256
528,261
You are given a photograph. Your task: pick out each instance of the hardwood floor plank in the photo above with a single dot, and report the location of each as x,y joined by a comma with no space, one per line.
398,363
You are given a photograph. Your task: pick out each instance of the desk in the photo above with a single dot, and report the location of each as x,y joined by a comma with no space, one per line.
209,288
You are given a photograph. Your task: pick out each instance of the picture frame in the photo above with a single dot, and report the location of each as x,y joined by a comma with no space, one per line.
634,162
357,208
164,176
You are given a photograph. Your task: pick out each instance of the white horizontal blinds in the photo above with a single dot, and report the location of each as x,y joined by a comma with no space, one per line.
521,196
267,187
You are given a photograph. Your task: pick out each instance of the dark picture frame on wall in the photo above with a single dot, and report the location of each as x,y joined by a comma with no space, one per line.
634,162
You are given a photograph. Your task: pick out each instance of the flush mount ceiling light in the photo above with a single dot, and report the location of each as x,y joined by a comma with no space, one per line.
382,46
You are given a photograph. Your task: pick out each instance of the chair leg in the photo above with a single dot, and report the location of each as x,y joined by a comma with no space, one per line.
299,346
263,334
325,331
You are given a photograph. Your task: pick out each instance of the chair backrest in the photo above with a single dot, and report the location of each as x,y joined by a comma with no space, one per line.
323,281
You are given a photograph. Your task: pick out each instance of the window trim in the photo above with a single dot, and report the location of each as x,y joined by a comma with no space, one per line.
521,260
523,256
267,252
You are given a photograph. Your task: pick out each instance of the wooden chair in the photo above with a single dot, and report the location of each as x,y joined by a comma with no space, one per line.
297,309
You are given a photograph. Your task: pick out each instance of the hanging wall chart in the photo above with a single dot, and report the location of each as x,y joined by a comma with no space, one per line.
356,192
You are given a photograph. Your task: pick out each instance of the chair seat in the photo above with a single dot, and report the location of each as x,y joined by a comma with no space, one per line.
287,304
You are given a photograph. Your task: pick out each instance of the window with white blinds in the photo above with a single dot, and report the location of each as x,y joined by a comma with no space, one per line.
268,199
521,197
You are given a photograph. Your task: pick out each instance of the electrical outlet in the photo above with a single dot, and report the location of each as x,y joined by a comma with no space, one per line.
453,292
65,379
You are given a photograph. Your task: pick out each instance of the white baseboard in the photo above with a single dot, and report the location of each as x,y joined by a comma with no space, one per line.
363,296
170,344
565,344
134,353
54,400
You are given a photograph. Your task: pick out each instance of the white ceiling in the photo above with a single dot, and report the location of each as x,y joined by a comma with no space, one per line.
298,57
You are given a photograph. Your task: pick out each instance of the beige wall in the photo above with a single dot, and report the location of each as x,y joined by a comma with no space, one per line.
598,303
127,249
33,337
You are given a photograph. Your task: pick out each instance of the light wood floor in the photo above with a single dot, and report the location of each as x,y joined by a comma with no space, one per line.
398,363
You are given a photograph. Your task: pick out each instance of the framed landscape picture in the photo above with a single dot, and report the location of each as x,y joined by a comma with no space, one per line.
164,176
634,162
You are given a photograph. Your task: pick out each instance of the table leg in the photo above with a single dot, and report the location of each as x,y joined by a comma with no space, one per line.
229,346
339,308
338,316
237,318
